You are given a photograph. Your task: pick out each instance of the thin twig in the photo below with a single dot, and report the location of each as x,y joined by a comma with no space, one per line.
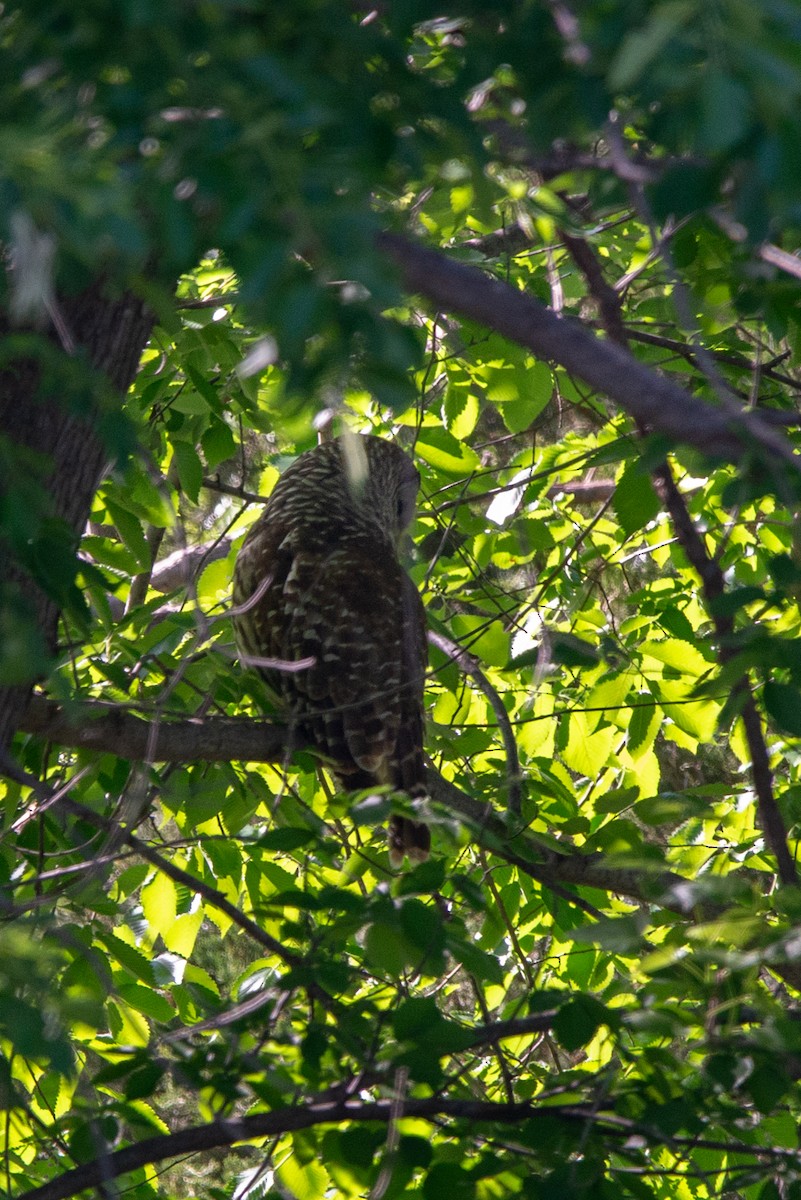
211,895
231,489
471,667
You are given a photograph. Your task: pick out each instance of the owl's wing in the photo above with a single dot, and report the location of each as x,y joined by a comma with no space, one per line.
360,692
410,767
260,575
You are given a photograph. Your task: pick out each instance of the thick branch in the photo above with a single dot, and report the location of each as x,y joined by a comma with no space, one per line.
98,727
95,726
711,575
108,729
317,1111
34,415
287,1120
651,398
178,568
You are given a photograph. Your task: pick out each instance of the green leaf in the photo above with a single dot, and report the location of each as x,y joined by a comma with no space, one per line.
190,469
424,878
423,925
29,1035
159,903
461,410
619,934
616,800
571,651
414,1016
144,1081
414,1151
388,950
766,1085
132,534
469,889
202,385
286,838
635,501
674,621
146,1001
88,1138
670,807
484,966
448,1179
577,1021
359,1146
725,111
729,603
127,956
643,726
520,388
784,571
441,450
641,46
218,443
487,640
783,702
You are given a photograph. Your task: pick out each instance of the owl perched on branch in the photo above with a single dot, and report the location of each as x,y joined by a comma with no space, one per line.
318,579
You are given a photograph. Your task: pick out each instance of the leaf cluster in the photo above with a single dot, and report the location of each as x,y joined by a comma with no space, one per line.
592,987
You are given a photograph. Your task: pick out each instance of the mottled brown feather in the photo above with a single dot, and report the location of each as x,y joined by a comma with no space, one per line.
323,557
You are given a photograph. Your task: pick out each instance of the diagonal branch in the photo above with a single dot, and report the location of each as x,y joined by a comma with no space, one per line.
100,1171
712,582
651,398
222,739
471,667
319,1111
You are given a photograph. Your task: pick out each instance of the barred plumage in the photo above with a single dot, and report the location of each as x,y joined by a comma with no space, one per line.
322,561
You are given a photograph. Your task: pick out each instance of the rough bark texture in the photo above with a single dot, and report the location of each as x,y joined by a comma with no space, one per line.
112,333
653,399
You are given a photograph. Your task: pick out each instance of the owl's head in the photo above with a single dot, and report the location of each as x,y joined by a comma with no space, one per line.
382,480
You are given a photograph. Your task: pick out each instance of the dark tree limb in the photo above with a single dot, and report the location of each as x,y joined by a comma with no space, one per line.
111,332
92,725
708,570
648,396
215,1134
316,1111
99,727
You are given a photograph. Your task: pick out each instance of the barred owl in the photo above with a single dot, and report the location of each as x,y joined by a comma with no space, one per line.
320,568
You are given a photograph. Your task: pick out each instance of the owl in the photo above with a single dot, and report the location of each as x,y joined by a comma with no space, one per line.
318,585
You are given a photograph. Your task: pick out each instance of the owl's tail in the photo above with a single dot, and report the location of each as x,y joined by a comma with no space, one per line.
408,839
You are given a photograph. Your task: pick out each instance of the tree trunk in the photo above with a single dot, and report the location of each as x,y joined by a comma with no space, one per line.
112,333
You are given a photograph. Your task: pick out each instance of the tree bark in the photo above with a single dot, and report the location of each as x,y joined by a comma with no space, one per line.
655,400
111,332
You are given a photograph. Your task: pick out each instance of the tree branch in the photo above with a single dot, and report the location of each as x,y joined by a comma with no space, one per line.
182,565
651,398
711,576
92,725
470,666
317,1111
288,1120
99,727
95,726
